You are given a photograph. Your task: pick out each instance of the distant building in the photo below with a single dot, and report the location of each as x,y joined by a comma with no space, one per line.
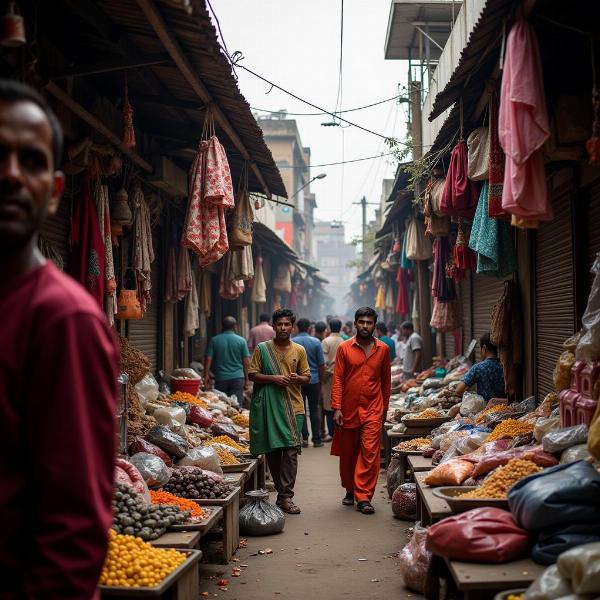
335,258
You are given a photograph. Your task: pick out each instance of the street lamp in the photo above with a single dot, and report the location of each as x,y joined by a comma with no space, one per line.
319,176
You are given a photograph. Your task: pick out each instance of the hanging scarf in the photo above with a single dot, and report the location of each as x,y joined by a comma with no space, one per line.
402,279
87,264
460,193
380,298
259,288
405,263
143,252
496,170
442,287
204,296
192,317
171,277
110,290
184,274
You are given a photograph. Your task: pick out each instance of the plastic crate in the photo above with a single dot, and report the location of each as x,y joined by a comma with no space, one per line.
568,407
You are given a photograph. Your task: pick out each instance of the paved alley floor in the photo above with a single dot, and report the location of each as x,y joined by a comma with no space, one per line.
328,552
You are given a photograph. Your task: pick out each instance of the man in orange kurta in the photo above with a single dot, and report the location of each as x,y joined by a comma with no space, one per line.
360,396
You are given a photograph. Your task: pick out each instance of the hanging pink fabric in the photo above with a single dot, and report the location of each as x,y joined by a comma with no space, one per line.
523,127
87,264
402,279
460,195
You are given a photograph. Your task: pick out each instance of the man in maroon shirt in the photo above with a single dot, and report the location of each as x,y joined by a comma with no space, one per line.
58,369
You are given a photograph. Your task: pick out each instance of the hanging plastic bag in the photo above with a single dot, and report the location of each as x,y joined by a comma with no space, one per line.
404,502
418,245
550,585
557,441
204,457
415,560
153,469
581,566
588,348
394,475
147,389
259,516
170,442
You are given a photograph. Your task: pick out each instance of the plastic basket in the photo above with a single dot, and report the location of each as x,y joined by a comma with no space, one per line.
191,386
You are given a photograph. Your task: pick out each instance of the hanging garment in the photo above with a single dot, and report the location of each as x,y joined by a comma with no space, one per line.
143,252
492,240
437,191
464,258
405,263
204,295
389,294
380,298
445,316
460,193
478,144
192,316
230,289
442,287
418,245
237,264
184,274
496,170
110,288
240,235
283,279
211,192
171,277
523,126
434,225
259,289
87,264
403,281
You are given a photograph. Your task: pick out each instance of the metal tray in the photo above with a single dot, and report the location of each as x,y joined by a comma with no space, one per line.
213,515
235,468
435,422
451,495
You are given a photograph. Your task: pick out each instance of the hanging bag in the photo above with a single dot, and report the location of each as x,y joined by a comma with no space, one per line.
478,144
240,234
418,245
128,303
283,279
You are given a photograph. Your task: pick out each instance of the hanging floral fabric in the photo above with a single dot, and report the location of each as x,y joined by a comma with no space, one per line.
259,288
445,316
192,316
478,144
110,287
497,160
204,294
460,193
403,280
87,264
143,252
492,240
171,277
442,287
380,298
184,274
523,127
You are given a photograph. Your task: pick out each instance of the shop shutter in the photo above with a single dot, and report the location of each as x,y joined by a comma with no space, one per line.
486,292
448,346
593,225
554,291
466,307
56,229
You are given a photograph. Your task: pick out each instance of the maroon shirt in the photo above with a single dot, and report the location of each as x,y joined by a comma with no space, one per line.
58,370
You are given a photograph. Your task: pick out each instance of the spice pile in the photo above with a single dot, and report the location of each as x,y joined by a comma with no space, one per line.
429,413
501,480
227,441
188,398
498,408
194,483
226,457
510,428
242,420
413,445
131,562
162,497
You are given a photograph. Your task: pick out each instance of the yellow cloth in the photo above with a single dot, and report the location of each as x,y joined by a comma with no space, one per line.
294,361
380,298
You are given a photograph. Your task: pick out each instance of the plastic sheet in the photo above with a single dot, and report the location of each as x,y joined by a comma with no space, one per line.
204,457
259,516
170,442
575,453
414,561
452,472
535,454
153,469
588,347
393,475
550,585
147,389
544,426
471,404
582,566
557,441
139,444
404,502
472,442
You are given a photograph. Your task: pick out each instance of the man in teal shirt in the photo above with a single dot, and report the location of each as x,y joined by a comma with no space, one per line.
228,355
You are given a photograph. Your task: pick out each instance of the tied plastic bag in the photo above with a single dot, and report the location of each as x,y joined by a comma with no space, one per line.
550,585
172,417
575,453
487,535
581,566
200,416
204,457
471,404
452,472
562,371
415,560
557,441
472,442
139,444
393,475
588,347
404,502
147,389
259,516
535,454
168,441
153,469
185,373
128,474
545,425
225,429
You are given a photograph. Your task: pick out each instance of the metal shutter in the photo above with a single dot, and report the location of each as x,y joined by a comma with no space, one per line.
554,291
486,292
467,309
56,229
593,225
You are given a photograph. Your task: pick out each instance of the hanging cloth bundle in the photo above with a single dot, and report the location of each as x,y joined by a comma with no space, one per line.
460,193
445,316
259,289
442,287
192,316
143,251
464,258
128,130
418,245
204,295
478,144
110,289
240,234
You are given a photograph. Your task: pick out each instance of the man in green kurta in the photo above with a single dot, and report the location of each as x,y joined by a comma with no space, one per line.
278,369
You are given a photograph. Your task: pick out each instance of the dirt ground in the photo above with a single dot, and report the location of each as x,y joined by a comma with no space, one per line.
328,552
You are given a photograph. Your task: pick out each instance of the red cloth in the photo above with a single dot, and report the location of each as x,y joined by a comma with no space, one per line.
58,369
88,252
496,166
460,195
361,385
402,302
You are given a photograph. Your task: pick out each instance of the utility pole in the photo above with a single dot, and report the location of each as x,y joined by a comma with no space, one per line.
363,203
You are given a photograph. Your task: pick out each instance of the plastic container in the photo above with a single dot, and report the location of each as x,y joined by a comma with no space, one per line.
576,380
588,376
568,407
191,386
585,409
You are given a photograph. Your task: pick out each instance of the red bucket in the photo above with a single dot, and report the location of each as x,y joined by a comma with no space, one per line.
191,386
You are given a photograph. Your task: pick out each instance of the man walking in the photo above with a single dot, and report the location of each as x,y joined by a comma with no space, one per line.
228,355
347,330
360,398
320,330
263,332
412,351
382,334
278,369
330,346
58,379
312,390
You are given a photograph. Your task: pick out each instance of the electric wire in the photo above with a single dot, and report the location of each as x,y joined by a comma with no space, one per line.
333,164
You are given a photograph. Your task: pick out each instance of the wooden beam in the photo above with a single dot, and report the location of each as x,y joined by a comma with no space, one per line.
174,49
166,101
96,124
110,66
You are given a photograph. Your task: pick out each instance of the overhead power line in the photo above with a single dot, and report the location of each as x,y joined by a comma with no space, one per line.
342,162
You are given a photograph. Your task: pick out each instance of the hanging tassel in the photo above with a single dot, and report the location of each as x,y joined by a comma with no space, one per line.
128,130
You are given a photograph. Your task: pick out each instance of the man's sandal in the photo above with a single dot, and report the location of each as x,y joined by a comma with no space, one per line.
348,500
365,507
289,507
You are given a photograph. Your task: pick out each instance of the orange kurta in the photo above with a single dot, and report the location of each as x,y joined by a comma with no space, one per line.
361,390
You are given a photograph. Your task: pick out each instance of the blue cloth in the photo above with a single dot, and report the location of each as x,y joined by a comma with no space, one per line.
488,376
314,353
386,339
227,351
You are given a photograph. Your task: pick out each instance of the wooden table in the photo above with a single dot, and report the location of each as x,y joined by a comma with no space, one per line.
251,472
231,520
188,540
417,463
430,508
391,438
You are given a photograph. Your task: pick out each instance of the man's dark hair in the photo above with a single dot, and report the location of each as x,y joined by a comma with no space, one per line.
349,324
485,340
283,312
335,325
303,325
408,325
320,326
382,327
391,326
264,318
365,311
14,91
229,323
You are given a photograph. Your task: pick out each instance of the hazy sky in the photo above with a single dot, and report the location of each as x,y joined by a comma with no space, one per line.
296,45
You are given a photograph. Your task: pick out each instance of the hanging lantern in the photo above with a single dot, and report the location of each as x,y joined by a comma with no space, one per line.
128,130
12,27
121,213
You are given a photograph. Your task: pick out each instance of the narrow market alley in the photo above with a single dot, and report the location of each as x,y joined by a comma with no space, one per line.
329,551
